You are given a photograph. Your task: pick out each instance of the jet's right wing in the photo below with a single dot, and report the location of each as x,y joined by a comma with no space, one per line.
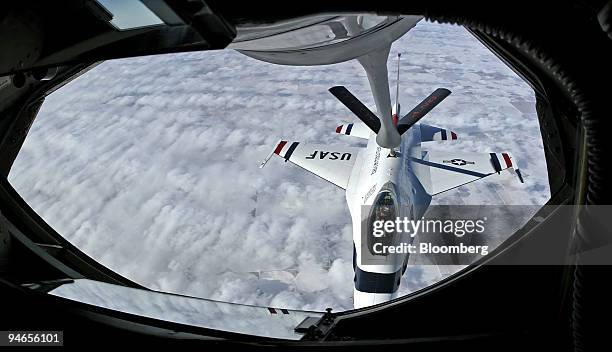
331,163
442,171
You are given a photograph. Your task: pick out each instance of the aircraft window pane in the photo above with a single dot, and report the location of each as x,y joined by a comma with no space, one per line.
150,165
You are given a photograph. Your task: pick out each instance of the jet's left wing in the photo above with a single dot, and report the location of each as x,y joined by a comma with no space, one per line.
331,163
442,171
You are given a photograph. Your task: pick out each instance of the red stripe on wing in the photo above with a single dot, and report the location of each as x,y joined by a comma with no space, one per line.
279,147
507,160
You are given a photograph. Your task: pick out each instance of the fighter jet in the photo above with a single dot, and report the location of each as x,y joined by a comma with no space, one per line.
393,175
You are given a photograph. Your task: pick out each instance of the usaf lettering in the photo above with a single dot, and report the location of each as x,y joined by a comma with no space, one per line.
330,155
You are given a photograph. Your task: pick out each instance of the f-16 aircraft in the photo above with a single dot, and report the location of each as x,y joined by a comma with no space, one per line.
395,175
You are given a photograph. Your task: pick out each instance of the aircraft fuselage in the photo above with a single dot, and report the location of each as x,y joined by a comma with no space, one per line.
379,173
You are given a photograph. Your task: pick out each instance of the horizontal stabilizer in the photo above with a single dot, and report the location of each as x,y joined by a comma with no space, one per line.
432,133
358,129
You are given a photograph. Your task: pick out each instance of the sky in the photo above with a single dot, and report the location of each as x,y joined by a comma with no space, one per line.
150,165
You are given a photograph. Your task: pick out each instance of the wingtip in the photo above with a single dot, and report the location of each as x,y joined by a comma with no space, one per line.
265,161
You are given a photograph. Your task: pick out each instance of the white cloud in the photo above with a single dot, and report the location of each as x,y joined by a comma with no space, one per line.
150,165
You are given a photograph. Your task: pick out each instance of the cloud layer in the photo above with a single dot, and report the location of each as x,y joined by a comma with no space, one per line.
150,165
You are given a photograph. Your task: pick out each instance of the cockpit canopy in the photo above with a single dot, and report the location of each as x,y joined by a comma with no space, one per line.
384,209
